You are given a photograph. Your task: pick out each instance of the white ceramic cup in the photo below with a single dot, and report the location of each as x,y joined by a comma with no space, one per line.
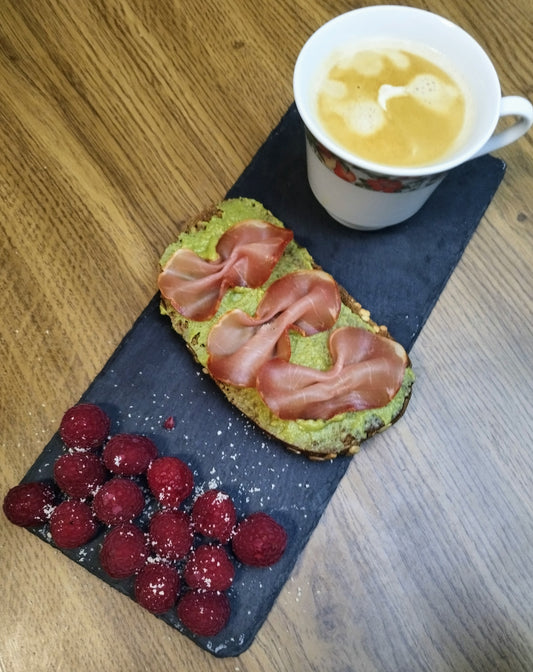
362,194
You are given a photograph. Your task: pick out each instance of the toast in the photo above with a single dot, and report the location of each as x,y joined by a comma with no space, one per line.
319,439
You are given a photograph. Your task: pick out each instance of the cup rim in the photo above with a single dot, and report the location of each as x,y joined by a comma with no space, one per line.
463,154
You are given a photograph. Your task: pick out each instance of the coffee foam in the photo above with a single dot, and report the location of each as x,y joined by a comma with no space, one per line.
432,92
364,118
370,62
427,89
366,114
399,58
352,56
335,89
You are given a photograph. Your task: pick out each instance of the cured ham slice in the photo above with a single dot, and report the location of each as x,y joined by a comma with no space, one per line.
247,253
367,372
239,344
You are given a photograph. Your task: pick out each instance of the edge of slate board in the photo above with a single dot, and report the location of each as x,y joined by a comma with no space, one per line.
398,273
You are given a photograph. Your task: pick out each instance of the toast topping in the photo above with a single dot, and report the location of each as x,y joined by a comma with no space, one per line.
247,253
239,344
367,372
319,435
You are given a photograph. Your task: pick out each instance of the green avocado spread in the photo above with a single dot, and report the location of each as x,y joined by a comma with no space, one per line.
342,433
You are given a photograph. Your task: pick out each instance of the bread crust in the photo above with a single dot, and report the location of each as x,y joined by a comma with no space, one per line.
346,442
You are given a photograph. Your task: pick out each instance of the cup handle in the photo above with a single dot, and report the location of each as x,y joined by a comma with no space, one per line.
515,106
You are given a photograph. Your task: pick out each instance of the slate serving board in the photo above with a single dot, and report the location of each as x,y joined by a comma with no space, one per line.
397,273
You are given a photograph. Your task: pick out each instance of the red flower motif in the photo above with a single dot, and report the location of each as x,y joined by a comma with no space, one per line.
324,151
344,173
383,184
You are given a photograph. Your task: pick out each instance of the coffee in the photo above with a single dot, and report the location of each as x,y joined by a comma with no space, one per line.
392,106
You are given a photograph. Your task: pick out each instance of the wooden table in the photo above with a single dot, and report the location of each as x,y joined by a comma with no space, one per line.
120,119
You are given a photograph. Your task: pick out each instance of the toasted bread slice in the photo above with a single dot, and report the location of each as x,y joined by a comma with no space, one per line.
317,439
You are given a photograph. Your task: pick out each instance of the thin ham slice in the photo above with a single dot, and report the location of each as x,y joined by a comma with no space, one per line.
239,344
247,253
367,372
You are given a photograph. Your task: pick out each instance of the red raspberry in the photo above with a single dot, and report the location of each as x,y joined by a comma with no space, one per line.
204,613
124,551
170,534
170,480
169,423
29,504
120,500
259,540
209,567
129,454
213,515
84,427
79,474
72,524
157,586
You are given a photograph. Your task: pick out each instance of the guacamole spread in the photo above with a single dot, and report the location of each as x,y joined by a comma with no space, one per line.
325,438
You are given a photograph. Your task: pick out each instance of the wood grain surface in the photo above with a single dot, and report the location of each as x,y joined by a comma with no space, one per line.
119,121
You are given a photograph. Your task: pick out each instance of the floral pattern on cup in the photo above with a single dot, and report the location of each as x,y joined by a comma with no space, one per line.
368,179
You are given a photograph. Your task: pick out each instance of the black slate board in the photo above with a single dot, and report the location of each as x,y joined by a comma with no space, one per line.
398,273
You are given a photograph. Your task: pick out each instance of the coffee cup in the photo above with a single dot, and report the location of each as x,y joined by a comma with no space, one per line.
392,98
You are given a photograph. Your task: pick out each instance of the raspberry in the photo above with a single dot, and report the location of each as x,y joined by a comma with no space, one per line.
209,567
259,540
120,500
170,480
29,504
72,524
213,515
169,423
124,551
170,534
84,427
204,612
129,454
79,474
157,586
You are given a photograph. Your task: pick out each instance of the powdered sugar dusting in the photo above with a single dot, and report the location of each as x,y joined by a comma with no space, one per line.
152,378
